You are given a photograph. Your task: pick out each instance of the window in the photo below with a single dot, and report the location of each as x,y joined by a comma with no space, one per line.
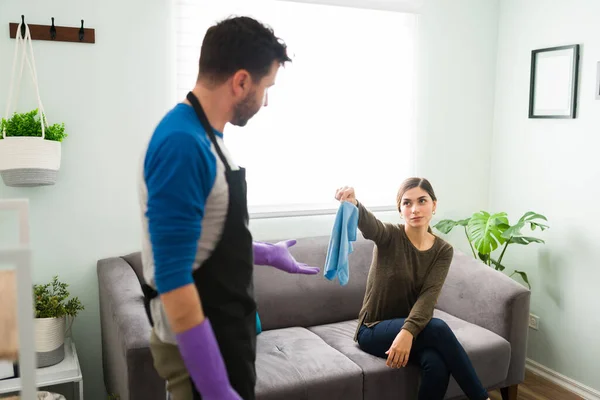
342,113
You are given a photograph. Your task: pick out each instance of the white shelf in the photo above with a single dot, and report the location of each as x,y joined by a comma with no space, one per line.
68,370
20,257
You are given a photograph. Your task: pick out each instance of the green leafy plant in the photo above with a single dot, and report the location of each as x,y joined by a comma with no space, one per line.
28,124
487,232
50,300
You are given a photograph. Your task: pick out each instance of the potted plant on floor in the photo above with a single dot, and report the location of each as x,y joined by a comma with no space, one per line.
486,232
52,309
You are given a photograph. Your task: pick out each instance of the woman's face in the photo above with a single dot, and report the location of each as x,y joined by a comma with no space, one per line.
417,207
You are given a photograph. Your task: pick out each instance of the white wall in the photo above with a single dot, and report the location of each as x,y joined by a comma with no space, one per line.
550,166
457,81
110,95
113,92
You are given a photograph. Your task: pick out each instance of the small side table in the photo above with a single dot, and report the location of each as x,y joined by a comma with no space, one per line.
67,371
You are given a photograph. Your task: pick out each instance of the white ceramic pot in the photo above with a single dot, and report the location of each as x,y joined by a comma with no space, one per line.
49,341
29,161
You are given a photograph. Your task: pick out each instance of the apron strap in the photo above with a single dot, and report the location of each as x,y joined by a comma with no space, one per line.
207,127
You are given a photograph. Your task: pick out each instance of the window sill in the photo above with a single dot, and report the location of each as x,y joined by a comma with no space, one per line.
267,214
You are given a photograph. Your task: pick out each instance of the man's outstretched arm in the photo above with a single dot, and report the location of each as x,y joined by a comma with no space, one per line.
277,255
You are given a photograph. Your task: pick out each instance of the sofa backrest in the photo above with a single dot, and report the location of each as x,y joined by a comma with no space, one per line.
286,300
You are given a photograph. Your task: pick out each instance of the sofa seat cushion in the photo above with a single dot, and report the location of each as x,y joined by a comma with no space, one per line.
379,381
296,364
489,353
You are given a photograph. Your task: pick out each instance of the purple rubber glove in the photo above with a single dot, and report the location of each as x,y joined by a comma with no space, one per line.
202,358
277,255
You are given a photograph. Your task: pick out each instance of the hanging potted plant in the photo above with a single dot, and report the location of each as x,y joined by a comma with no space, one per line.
30,152
52,310
30,149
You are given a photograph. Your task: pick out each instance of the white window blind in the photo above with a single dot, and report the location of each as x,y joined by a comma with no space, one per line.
341,113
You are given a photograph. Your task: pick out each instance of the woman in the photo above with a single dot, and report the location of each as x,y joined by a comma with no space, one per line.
409,267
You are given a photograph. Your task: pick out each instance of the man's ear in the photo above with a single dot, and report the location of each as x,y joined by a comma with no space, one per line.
241,82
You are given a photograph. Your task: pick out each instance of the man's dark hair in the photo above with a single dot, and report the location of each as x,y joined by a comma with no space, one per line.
239,43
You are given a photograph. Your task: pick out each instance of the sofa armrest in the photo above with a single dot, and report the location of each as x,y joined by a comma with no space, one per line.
127,362
488,298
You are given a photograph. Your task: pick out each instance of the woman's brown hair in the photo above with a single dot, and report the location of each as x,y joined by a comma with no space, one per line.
412,183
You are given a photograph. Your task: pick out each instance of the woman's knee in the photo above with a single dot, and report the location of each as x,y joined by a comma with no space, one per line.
366,340
373,343
438,327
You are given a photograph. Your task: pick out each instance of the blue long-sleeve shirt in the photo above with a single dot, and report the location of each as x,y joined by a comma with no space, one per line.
183,198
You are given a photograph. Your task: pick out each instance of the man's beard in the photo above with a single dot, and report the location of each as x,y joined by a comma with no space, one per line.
245,110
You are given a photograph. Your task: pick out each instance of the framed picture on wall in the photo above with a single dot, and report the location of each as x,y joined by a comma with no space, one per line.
554,81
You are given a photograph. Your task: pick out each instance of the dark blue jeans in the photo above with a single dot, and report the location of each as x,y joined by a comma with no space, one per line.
436,350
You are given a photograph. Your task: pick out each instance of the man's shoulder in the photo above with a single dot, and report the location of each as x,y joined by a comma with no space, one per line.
179,135
181,125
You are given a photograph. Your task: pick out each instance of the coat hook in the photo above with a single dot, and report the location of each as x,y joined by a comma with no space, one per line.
23,26
53,30
81,31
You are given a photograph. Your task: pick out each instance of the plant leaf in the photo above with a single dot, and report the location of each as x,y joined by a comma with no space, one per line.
29,124
514,230
530,215
523,276
484,257
446,225
485,230
498,266
529,218
525,240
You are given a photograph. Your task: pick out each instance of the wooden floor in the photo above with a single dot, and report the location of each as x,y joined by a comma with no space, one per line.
537,388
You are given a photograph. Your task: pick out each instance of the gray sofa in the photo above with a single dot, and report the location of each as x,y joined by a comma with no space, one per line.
306,350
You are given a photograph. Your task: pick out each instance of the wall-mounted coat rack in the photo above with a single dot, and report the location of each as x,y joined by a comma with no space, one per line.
54,33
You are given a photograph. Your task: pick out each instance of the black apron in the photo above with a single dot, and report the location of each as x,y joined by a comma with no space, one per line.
225,281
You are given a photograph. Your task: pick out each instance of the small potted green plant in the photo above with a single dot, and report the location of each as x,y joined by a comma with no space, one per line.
52,309
30,150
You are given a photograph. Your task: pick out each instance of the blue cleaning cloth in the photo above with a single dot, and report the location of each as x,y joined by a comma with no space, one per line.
340,243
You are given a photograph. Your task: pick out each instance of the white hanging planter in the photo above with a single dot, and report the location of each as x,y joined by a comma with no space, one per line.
49,341
27,161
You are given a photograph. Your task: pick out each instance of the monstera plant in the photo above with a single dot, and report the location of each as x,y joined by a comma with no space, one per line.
487,233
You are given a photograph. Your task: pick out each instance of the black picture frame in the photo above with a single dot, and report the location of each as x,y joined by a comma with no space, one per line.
554,82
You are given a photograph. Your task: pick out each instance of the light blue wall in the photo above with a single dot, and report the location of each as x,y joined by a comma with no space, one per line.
550,166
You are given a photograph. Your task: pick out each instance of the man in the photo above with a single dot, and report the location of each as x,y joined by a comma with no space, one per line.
198,253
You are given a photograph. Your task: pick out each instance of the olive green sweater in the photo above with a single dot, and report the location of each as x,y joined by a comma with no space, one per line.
403,281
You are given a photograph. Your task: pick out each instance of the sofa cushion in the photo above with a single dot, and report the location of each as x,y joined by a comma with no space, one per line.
488,352
379,381
135,261
295,364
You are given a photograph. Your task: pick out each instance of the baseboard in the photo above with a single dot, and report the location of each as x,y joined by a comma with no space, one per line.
571,385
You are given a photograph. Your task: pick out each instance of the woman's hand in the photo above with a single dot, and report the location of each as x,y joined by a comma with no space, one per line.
346,194
400,350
